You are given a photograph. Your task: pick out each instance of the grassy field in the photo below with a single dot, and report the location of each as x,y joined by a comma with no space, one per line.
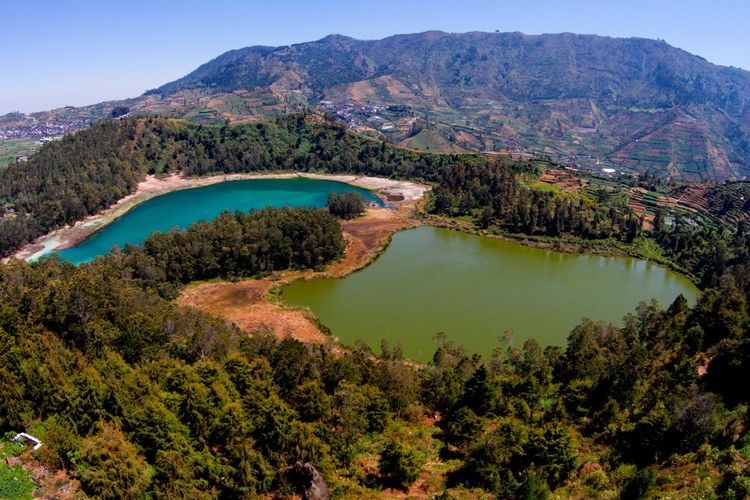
15,481
428,141
11,148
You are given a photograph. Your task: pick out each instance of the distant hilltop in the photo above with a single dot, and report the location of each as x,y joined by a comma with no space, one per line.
633,104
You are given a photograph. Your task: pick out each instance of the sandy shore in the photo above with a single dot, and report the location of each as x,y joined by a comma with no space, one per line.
393,192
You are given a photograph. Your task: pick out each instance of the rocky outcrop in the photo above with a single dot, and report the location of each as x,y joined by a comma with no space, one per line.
307,481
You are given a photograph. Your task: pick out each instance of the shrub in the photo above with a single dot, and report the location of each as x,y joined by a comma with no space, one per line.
346,205
400,464
111,466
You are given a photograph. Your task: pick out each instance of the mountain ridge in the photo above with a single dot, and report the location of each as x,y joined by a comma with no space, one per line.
635,104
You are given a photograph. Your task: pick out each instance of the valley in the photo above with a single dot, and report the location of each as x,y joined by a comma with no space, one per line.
341,250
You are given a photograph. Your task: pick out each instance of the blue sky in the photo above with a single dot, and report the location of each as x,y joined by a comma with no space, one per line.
73,52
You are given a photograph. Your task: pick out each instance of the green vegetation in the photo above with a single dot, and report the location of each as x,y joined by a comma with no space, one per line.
346,205
162,400
400,463
15,481
539,100
10,149
111,466
432,279
239,245
89,171
143,398
624,111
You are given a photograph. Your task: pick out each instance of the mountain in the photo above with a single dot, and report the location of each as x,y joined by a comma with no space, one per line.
634,104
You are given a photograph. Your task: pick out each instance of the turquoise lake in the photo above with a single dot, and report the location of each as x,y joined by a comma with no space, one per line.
179,209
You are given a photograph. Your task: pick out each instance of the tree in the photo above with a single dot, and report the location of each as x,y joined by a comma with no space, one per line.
119,111
346,205
111,467
400,464
11,400
349,416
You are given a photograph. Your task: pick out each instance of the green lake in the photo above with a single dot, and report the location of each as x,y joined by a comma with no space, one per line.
475,288
179,209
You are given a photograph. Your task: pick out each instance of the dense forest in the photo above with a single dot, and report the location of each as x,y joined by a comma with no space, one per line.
138,398
144,398
346,205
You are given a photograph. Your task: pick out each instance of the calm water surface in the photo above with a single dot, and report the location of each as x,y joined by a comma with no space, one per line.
475,288
182,208
429,280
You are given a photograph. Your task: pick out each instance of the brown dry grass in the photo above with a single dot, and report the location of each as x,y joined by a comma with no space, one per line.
215,103
395,88
246,303
358,91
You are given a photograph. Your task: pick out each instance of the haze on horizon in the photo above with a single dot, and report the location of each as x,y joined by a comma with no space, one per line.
83,52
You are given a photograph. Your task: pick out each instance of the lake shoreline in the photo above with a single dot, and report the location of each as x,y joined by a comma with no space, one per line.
255,304
392,192
618,284
563,245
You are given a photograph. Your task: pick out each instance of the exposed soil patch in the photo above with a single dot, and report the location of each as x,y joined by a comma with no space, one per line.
361,90
244,304
366,238
563,180
247,303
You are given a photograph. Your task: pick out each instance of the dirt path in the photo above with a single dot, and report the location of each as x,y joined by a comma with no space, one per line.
393,192
247,304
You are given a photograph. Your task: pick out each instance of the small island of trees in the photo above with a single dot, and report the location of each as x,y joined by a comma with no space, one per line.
346,205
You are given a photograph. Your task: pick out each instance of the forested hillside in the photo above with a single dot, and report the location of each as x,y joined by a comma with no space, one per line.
143,398
136,397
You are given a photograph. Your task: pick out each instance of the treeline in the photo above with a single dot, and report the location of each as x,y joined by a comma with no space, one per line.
67,180
706,252
93,357
88,171
231,246
492,193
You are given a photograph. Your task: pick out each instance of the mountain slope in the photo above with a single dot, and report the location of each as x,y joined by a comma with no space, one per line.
619,72
635,104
